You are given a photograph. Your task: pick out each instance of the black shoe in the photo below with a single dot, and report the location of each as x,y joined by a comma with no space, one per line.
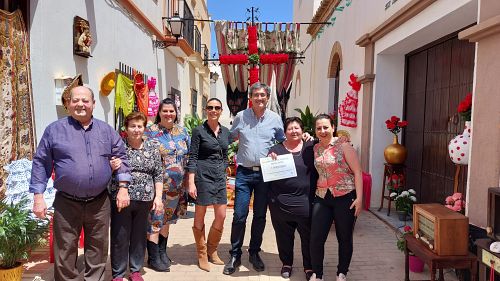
309,275
154,261
257,262
286,271
162,248
231,265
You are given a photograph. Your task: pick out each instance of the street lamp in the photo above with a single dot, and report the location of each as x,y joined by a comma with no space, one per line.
176,24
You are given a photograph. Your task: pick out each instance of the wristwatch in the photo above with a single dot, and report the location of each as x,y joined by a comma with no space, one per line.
123,185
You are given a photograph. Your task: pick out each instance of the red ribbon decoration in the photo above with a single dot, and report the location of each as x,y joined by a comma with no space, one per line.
233,59
254,75
273,58
252,40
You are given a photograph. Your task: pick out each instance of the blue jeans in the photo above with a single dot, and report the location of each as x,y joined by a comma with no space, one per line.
248,181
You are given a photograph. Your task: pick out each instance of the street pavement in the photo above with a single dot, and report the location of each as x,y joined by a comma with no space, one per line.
376,256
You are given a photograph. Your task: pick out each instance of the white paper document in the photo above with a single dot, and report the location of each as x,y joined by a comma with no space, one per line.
281,168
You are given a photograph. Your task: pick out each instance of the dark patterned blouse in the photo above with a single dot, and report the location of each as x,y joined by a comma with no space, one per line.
146,169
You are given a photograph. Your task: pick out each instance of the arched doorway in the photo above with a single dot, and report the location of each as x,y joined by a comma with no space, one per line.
334,79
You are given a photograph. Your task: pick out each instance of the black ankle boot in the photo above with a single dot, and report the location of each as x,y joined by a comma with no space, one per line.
162,248
154,260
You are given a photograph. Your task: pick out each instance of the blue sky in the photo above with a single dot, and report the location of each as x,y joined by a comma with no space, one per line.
236,10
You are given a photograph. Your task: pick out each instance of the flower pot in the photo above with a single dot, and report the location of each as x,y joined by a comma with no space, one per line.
395,153
416,264
12,274
402,215
460,145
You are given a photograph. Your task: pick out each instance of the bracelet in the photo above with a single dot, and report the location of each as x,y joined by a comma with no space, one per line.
123,185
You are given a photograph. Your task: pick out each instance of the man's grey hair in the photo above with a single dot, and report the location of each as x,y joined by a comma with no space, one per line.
257,86
88,88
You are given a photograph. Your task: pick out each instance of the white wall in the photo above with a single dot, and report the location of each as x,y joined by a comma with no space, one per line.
115,39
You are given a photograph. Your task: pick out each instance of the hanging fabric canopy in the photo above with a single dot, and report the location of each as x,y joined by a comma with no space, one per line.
232,38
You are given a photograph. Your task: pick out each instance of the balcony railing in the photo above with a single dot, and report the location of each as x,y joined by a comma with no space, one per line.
190,31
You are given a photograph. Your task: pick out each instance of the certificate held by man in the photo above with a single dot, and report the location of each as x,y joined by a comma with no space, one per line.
281,168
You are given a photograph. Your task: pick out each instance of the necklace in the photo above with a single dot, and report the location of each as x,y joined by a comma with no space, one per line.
297,151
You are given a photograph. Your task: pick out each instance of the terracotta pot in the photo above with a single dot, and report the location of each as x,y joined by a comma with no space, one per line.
460,145
395,153
12,274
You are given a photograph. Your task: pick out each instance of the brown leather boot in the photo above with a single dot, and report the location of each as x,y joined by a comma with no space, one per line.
201,248
212,243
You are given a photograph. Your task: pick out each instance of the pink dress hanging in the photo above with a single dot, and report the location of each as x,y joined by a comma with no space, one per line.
153,101
348,110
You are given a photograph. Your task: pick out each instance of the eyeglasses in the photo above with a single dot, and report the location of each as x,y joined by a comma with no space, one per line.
217,108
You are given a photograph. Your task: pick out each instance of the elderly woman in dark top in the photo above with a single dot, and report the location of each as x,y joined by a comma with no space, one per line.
290,199
207,181
129,225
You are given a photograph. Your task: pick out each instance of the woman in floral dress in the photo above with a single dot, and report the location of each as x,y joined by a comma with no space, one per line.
174,142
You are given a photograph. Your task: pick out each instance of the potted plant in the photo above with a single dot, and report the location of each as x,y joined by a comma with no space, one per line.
191,122
404,202
415,263
20,233
395,153
308,119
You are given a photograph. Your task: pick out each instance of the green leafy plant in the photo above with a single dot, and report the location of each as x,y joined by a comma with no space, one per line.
308,119
404,201
20,232
191,122
232,149
401,243
254,58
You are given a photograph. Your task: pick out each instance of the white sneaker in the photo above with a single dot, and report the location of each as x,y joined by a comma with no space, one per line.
313,278
341,277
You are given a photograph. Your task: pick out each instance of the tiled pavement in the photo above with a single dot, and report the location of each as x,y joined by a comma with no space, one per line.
375,256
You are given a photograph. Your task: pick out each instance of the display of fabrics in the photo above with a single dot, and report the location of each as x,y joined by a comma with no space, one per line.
141,93
16,113
124,99
18,182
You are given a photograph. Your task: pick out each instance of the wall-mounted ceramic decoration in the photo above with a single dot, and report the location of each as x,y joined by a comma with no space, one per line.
82,39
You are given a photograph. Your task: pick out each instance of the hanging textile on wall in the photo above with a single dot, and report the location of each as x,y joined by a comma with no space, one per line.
274,49
124,99
17,138
349,107
141,93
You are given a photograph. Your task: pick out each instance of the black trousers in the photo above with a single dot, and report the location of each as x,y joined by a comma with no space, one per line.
325,211
284,225
128,236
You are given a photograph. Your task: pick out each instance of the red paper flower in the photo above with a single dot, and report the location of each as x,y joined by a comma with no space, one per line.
465,107
394,125
233,59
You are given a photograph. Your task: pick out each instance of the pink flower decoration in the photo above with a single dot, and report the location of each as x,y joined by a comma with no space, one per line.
449,200
457,196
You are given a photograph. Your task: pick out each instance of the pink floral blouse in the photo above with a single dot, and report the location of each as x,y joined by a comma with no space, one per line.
334,172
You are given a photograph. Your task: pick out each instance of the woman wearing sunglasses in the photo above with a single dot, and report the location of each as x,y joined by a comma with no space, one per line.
207,181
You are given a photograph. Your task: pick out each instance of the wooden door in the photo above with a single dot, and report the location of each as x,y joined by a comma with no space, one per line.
438,77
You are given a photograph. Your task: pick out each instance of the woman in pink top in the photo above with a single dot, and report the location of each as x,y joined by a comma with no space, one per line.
338,197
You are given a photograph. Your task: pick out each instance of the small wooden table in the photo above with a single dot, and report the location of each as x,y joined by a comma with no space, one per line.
484,254
435,262
389,170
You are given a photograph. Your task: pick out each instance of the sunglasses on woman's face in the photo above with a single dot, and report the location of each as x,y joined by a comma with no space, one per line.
217,108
